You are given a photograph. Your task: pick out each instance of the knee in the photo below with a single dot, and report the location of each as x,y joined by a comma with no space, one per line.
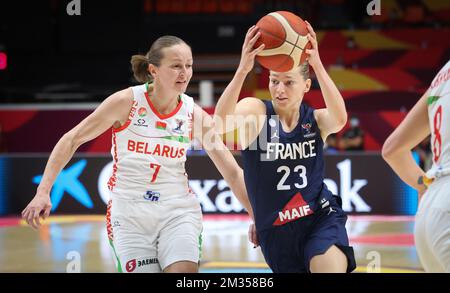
332,261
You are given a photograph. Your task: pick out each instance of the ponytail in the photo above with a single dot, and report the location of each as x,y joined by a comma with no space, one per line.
139,64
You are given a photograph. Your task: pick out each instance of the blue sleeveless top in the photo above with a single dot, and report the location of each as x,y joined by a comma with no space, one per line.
283,171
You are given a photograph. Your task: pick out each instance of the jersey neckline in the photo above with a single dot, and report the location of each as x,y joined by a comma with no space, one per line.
295,129
155,111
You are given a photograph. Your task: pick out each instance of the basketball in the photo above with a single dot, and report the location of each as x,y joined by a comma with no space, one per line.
284,36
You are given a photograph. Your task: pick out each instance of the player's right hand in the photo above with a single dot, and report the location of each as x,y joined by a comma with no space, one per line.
248,52
252,236
40,206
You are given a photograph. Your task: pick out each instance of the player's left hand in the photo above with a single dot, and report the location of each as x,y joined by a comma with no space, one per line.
313,53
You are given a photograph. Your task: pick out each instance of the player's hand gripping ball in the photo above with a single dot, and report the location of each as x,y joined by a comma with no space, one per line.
284,35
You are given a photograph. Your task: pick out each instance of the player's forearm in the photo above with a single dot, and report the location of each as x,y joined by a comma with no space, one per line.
404,165
228,100
397,148
230,171
60,156
331,95
237,185
235,180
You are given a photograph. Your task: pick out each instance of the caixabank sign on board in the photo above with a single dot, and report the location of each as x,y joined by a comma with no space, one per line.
365,183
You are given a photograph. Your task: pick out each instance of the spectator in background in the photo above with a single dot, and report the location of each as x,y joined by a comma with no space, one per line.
351,44
339,63
331,144
353,137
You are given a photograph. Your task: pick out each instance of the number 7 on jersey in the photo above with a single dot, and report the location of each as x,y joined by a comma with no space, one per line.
156,167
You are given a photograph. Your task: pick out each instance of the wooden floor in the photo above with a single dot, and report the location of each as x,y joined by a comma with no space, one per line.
376,239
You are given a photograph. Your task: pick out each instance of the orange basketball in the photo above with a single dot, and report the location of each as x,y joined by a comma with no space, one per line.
284,36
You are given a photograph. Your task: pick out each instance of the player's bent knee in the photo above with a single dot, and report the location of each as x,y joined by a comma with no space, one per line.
332,261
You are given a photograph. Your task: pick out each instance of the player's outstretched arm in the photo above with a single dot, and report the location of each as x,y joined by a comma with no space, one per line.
115,108
397,148
334,117
226,106
221,156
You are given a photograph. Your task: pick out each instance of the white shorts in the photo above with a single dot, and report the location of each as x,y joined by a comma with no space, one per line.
148,236
432,229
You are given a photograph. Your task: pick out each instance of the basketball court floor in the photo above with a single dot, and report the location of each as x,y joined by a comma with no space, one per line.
382,244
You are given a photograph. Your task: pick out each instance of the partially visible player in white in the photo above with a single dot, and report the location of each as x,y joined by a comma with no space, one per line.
431,114
154,221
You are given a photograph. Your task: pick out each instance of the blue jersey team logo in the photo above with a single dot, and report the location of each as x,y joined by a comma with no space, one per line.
307,130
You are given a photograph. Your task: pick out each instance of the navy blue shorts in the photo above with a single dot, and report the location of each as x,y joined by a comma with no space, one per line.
290,247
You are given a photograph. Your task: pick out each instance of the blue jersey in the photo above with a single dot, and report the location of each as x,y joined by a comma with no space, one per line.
283,171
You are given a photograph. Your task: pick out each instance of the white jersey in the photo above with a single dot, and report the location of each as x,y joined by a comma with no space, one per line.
149,151
439,119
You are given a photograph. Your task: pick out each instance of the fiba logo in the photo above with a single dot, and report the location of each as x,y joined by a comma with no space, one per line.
374,7
74,8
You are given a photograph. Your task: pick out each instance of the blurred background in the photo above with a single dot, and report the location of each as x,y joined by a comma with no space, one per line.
56,68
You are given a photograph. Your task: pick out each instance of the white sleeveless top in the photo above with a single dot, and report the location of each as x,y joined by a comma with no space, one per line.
439,119
149,151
